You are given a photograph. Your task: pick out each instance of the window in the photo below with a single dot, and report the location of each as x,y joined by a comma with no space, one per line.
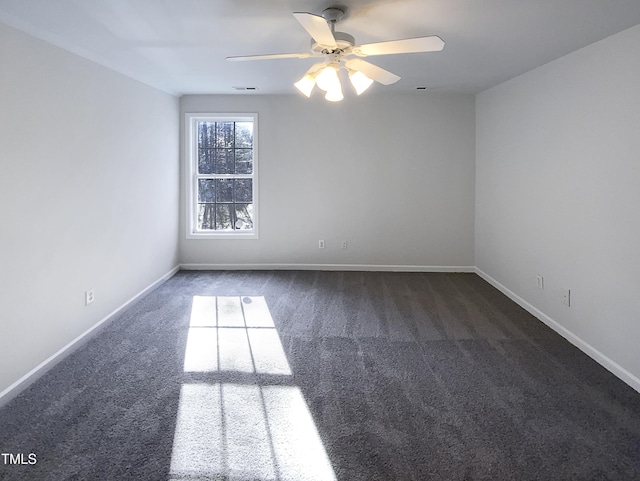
222,176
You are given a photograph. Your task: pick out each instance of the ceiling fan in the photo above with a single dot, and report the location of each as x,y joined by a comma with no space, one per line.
341,52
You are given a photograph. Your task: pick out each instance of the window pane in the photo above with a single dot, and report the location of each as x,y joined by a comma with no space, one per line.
205,161
243,190
224,190
224,133
206,134
206,216
244,161
206,190
244,216
244,134
224,161
223,216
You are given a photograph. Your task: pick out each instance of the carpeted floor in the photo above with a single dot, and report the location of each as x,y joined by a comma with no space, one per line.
309,375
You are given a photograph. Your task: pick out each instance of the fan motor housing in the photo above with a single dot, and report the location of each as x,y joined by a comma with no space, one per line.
344,41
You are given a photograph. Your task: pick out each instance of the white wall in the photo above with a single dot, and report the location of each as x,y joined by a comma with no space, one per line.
391,175
88,196
558,194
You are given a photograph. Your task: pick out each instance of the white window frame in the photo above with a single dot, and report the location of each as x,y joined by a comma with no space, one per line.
192,176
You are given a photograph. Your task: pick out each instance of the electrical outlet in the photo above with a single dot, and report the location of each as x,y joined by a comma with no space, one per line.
89,297
540,281
344,244
321,244
565,297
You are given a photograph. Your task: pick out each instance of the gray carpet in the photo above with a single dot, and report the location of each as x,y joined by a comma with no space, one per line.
313,375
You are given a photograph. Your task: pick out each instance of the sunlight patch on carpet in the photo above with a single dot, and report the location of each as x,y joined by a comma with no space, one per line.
260,428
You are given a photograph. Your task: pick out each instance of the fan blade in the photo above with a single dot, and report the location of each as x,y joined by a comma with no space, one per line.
408,45
270,56
374,72
317,27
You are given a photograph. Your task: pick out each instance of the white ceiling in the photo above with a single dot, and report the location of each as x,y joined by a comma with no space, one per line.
180,46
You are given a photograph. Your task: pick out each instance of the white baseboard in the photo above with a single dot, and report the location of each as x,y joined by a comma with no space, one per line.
25,381
584,346
326,267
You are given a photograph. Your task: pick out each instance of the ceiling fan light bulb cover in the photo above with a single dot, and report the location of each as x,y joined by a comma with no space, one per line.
305,85
359,81
328,79
334,95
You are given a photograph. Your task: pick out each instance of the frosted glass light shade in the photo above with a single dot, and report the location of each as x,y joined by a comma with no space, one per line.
305,85
328,79
335,94
359,81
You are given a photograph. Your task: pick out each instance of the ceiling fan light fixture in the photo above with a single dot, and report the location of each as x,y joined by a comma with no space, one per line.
328,79
335,94
359,81
306,84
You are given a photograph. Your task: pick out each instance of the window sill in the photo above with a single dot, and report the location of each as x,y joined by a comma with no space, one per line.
221,235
